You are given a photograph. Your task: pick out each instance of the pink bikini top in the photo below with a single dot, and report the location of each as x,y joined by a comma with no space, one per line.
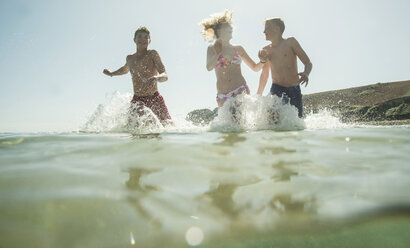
223,62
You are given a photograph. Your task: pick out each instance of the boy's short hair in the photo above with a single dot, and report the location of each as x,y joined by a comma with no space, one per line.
277,21
142,30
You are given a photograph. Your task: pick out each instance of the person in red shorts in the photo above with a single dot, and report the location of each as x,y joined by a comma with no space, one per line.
146,71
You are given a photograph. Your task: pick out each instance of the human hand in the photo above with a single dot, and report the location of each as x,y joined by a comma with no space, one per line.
263,55
304,78
152,80
218,46
107,72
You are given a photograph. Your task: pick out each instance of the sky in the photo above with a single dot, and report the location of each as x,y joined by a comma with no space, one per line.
53,52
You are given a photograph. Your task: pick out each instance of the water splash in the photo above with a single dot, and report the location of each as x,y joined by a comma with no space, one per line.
324,119
113,116
109,116
245,113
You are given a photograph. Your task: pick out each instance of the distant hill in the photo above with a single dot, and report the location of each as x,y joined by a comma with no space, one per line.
381,103
376,102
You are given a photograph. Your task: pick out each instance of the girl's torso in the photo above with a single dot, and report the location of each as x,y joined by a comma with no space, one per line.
228,70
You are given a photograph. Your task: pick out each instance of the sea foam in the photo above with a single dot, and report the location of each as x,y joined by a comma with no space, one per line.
243,113
246,113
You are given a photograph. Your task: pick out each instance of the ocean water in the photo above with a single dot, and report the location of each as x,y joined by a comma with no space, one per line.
237,182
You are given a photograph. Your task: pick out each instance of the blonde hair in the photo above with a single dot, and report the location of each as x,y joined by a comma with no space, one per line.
212,24
141,29
278,22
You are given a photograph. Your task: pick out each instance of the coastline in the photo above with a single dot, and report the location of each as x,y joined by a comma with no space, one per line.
375,104
381,104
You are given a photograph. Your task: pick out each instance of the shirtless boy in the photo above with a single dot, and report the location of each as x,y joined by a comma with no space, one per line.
146,71
281,58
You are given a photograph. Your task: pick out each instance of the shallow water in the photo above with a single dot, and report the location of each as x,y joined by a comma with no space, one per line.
322,183
314,187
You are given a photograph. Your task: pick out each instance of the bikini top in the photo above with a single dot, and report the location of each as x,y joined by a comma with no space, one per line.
223,62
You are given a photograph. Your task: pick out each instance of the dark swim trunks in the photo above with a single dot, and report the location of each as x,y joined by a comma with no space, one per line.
154,102
289,94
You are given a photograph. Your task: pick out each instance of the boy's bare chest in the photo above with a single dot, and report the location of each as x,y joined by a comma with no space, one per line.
140,63
281,53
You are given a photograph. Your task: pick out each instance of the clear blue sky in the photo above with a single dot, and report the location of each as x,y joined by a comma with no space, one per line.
52,53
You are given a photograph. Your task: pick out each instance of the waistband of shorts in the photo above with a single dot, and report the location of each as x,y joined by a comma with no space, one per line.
155,94
285,87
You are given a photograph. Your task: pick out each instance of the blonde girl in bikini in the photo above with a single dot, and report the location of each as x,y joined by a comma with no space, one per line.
226,58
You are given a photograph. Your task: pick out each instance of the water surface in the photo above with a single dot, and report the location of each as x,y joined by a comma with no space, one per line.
318,187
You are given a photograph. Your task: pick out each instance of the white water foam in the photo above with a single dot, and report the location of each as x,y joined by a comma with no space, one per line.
113,117
109,116
243,113
324,119
246,112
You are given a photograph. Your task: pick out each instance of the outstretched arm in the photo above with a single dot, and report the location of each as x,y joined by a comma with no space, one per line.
249,61
123,70
263,78
300,53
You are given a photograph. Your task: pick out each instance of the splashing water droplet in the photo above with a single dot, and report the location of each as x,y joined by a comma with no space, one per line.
194,236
